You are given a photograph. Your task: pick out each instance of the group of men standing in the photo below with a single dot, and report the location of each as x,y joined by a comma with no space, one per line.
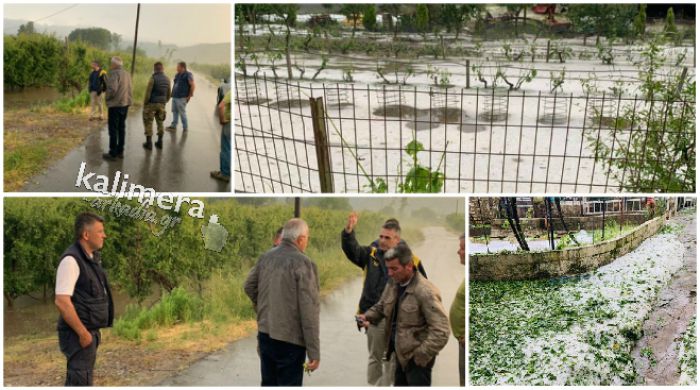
401,309
117,89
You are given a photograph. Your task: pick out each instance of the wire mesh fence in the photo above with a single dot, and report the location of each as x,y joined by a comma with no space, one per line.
468,140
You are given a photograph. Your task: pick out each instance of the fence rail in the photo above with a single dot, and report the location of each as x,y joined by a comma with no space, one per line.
474,140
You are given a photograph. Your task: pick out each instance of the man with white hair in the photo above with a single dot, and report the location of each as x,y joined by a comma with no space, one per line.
284,288
118,99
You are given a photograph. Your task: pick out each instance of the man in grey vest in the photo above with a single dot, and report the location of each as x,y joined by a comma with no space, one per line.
84,300
157,94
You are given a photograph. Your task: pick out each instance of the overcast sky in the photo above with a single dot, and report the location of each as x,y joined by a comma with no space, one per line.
180,24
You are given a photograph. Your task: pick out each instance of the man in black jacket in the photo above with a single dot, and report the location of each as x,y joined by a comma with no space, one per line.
84,299
371,259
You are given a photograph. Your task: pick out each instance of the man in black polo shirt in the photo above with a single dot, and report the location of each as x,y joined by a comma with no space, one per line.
84,300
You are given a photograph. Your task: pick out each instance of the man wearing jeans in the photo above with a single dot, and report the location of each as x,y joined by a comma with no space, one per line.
183,90
457,315
118,97
224,110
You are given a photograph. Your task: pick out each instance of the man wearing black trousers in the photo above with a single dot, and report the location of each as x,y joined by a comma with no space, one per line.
118,98
83,299
284,288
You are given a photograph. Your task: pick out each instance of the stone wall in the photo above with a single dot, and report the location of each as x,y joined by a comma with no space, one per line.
569,261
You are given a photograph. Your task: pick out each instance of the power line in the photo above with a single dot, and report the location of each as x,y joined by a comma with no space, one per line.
56,13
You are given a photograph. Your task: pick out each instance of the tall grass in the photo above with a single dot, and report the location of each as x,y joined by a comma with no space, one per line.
177,307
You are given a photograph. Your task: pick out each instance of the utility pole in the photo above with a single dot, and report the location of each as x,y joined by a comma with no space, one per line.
297,207
136,39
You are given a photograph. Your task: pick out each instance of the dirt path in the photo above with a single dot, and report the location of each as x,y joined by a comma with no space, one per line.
656,353
343,349
183,165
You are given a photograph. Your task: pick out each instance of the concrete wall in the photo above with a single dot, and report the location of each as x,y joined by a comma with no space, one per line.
570,261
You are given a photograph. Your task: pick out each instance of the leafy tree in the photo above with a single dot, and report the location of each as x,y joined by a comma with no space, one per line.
602,20
514,11
31,60
288,13
95,36
27,28
455,15
422,18
369,18
640,21
353,11
652,144
116,41
670,28
329,203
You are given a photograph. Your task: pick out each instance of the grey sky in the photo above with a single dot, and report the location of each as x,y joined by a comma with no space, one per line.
180,24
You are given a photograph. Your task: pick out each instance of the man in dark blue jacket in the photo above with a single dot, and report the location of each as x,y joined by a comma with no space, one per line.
96,86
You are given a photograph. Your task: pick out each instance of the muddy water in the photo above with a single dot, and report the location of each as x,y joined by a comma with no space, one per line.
343,348
668,320
29,97
183,165
31,317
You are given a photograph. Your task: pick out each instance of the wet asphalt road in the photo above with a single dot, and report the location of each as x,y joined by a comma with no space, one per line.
183,165
343,348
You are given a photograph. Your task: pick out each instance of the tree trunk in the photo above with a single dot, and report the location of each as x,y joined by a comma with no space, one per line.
10,301
288,55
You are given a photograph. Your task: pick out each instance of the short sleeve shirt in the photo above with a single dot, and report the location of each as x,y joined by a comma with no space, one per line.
67,275
227,106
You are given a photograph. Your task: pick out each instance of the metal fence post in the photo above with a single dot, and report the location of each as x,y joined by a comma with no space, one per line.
468,73
318,118
549,43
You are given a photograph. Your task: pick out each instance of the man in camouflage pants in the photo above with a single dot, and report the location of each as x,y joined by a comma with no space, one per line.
157,94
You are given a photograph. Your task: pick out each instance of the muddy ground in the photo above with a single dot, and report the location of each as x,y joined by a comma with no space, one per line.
656,353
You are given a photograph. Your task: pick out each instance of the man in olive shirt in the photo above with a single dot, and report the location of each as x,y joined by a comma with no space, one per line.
284,288
157,94
457,315
83,299
224,111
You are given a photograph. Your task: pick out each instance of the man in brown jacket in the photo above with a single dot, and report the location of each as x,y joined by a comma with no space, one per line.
118,99
284,288
416,323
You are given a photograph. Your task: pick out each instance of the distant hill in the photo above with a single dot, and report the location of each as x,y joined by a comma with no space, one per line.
205,53
10,27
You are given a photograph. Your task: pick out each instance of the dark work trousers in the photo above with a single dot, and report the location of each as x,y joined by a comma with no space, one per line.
413,375
281,363
81,361
117,129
